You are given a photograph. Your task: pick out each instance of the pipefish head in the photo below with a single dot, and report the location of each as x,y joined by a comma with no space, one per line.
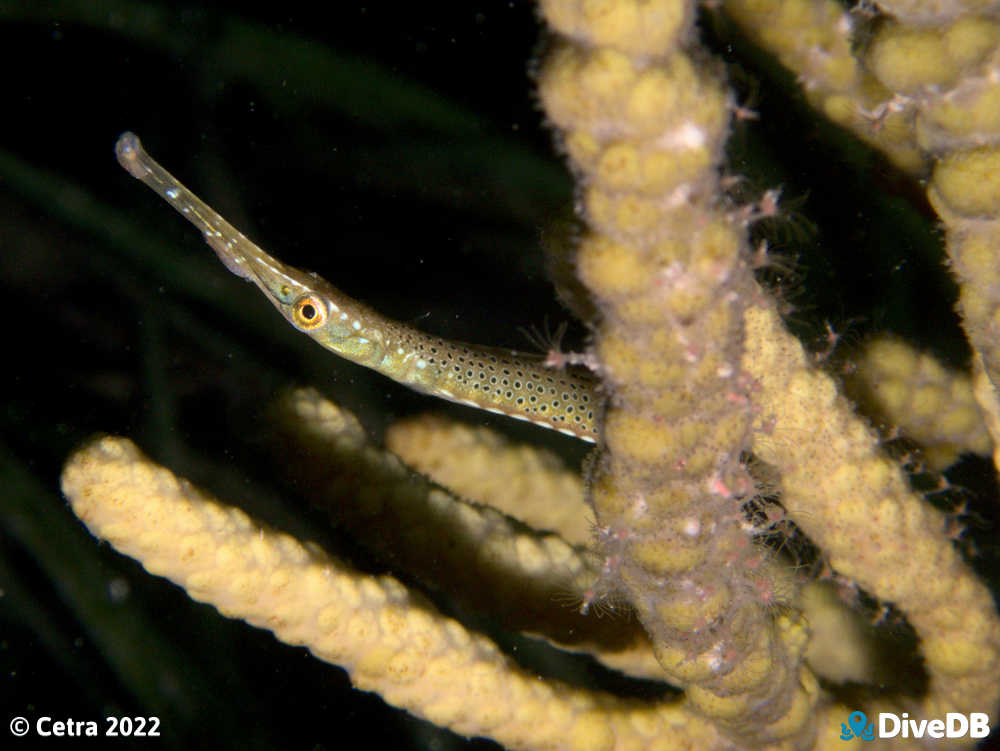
305,299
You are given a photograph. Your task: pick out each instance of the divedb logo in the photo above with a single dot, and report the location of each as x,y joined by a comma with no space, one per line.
890,725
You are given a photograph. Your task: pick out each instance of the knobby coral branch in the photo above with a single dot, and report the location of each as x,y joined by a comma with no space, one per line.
389,639
929,403
874,529
644,123
491,563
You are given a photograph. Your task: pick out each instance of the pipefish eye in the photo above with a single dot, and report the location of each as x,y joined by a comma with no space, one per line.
308,312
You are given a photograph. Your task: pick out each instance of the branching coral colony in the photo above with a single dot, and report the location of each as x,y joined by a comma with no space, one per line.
697,373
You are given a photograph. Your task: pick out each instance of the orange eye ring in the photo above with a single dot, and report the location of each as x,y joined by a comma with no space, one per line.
308,312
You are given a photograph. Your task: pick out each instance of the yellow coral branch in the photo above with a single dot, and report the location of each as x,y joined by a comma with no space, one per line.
524,580
914,392
855,504
390,640
666,267
530,484
813,39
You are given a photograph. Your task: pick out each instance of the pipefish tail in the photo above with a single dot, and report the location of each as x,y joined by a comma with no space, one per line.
501,381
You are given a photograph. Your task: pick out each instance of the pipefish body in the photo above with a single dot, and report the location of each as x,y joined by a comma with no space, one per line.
505,382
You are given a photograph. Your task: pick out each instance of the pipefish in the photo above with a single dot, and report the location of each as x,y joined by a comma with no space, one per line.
505,382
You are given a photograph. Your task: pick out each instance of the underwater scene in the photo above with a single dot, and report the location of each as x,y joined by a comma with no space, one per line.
651,401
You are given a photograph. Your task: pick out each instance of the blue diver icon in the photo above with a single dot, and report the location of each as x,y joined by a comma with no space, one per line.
860,728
